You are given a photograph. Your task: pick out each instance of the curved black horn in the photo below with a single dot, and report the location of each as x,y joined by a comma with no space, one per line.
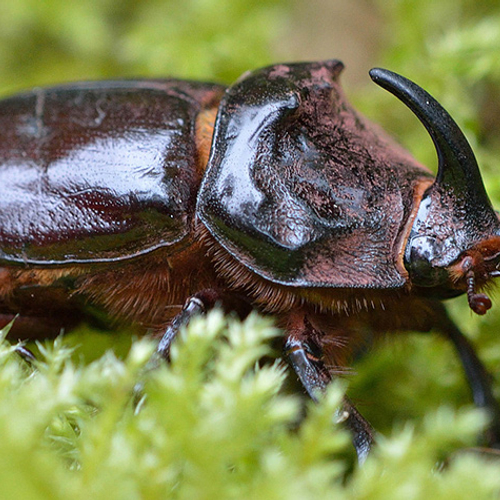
458,169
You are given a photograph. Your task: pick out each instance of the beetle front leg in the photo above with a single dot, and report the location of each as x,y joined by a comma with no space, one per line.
304,355
477,376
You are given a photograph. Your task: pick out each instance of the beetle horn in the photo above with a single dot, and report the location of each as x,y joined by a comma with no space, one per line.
457,168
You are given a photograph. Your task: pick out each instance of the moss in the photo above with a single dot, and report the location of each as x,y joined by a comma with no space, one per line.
214,424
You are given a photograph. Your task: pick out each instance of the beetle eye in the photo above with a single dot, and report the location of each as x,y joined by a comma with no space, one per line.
418,262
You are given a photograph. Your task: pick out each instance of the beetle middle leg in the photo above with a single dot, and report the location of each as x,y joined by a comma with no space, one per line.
197,304
305,356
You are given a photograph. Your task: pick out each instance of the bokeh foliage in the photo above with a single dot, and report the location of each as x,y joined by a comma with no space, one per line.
53,41
213,427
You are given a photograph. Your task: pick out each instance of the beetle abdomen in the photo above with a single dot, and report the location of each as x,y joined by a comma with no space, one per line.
98,172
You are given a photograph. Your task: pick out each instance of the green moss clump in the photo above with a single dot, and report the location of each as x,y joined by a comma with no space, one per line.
214,425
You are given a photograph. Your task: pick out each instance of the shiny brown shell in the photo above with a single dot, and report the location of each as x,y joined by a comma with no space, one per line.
301,188
98,171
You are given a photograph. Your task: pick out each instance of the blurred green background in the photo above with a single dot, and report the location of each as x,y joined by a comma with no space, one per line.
450,47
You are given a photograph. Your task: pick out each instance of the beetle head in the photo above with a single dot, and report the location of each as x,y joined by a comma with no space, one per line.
454,243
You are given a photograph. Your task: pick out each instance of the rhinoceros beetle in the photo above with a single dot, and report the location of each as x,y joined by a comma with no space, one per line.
135,197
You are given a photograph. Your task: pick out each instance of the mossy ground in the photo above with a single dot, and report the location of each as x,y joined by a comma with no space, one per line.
214,425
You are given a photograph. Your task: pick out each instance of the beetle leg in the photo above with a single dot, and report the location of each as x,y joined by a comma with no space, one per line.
477,376
193,307
304,357
25,354
199,303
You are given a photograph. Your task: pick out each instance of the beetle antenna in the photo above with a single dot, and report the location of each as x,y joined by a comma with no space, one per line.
458,170
478,302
